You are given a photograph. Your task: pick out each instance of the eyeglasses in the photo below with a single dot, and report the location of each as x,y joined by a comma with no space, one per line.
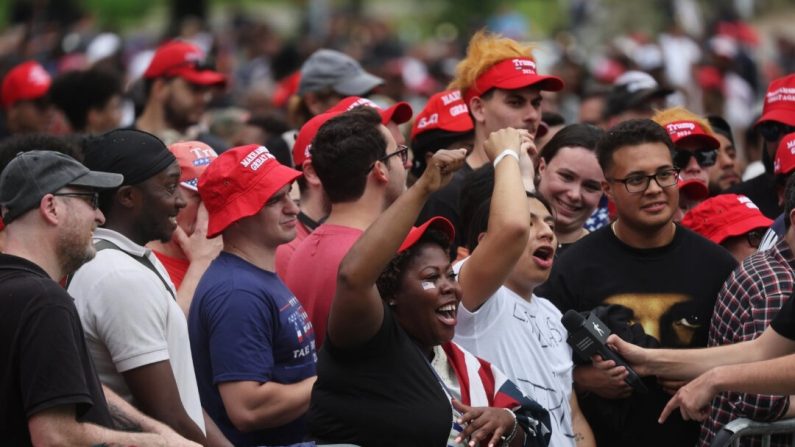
754,237
402,150
704,159
773,130
637,183
94,202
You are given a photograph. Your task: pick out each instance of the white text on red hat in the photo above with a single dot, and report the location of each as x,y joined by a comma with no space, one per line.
257,158
526,66
781,94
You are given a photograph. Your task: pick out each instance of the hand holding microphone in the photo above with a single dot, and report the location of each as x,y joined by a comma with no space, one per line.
588,337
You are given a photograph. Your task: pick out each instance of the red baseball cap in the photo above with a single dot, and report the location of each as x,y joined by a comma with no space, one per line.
399,113
303,141
27,81
2,225
437,223
182,59
193,158
690,133
512,74
239,183
444,111
693,188
780,101
725,216
784,162
285,89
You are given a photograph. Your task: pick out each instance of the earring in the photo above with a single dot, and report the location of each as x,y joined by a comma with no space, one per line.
392,303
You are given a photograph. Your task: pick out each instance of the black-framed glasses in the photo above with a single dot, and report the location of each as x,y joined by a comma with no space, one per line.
402,151
93,196
636,183
754,237
704,159
773,130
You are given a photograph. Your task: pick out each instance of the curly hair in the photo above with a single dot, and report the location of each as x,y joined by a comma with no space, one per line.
389,281
679,113
484,50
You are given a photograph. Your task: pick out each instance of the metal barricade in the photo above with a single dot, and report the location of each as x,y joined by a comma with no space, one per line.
730,434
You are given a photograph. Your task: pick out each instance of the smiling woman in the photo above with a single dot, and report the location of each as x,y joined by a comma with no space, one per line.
569,177
389,373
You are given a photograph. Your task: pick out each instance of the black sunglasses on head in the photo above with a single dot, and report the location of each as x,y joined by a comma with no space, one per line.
704,159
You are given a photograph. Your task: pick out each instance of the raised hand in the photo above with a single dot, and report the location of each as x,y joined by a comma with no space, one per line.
441,168
500,140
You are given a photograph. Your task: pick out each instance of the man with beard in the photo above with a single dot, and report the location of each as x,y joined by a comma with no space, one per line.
660,274
50,392
178,87
136,332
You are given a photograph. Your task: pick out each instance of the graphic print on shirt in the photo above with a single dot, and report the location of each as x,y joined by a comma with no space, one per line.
546,331
302,327
665,316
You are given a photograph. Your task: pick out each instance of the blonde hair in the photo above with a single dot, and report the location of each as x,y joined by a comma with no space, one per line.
679,113
484,50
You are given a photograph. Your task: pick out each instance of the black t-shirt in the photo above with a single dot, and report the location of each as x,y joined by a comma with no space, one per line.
671,290
784,322
382,393
43,353
446,202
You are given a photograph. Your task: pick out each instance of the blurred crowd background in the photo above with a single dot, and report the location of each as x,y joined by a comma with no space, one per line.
719,55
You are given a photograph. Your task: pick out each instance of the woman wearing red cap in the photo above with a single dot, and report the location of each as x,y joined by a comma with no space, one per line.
391,324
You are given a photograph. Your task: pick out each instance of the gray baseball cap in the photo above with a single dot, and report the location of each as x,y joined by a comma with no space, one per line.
329,68
31,175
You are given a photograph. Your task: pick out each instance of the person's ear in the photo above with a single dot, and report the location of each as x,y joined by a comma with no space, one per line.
476,108
481,236
48,210
310,175
127,196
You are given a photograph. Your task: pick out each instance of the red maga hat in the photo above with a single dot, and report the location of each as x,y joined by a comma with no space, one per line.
444,111
727,215
784,162
780,101
239,182
27,81
193,158
693,188
303,141
512,74
398,113
437,223
178,58
691,134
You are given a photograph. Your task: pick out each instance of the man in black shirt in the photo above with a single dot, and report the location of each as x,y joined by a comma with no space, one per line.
665,276
50,392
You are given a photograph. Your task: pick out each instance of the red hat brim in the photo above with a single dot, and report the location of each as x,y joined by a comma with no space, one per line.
437,223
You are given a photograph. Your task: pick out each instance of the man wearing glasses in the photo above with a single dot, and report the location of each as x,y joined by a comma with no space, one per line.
777,120
695,151
363,170
665,276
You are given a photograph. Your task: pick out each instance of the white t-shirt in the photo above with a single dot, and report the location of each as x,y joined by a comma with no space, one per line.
528,342
131,320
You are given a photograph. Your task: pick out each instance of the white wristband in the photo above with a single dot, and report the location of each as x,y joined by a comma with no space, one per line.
505,153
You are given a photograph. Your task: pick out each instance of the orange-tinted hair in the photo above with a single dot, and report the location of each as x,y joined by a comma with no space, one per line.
679,113
486,49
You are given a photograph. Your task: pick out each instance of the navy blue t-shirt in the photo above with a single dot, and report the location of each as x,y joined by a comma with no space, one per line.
245,325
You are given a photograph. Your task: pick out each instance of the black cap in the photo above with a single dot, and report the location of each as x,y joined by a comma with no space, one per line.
136,154
631,90
31,175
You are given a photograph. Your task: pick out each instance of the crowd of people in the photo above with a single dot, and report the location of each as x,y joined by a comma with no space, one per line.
344,266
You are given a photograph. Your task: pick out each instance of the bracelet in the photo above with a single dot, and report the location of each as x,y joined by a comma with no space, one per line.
506,440
503,154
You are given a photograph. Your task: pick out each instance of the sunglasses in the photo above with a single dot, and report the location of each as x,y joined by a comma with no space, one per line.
704,159
93,197
773,130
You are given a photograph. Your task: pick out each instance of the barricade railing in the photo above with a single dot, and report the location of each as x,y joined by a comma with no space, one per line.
731,434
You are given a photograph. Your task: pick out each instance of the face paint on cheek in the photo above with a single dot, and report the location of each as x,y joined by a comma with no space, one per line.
428,285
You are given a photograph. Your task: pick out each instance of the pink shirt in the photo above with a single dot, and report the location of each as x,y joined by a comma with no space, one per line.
285,251
312,271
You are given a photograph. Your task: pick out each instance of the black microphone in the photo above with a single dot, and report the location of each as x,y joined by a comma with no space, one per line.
588,337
